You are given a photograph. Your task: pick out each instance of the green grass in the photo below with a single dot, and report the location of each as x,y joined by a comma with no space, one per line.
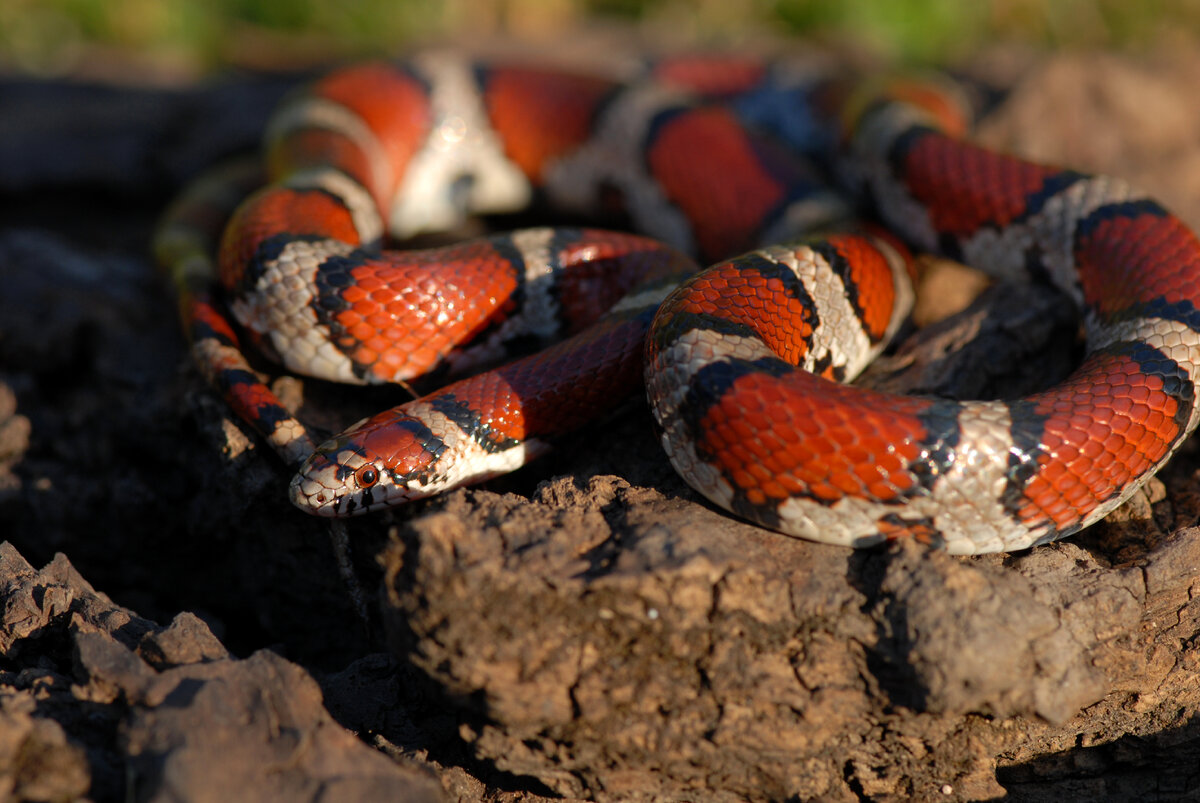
51,35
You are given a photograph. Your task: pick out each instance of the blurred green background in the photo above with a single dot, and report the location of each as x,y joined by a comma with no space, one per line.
190,36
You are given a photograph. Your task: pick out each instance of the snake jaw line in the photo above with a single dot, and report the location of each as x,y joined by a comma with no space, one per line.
338,481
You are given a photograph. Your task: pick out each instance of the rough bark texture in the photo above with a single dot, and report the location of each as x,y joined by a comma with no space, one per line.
615,656
584,628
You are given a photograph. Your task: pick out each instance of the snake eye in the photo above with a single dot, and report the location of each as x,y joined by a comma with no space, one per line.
366,476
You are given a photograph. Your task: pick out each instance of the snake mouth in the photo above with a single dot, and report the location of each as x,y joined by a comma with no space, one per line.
320,499
336,480
336,499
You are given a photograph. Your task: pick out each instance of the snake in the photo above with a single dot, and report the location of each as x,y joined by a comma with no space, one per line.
725,161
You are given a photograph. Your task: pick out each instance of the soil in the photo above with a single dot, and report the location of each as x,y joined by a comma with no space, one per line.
585,628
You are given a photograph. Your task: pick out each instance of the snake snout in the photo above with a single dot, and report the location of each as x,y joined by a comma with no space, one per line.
313,497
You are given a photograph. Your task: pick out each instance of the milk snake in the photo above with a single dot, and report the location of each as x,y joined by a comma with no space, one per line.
710,157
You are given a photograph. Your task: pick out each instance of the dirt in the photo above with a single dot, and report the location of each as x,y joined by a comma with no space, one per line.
585,628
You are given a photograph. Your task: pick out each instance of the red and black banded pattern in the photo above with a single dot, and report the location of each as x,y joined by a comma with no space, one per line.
184,245
741,362
974,476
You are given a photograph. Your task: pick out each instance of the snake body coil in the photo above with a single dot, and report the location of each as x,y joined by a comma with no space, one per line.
742,362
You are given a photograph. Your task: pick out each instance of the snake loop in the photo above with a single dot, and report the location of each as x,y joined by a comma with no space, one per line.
742,362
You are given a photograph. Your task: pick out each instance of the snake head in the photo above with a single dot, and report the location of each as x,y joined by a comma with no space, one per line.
386,460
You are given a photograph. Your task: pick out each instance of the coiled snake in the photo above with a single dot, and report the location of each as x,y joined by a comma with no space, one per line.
742,362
